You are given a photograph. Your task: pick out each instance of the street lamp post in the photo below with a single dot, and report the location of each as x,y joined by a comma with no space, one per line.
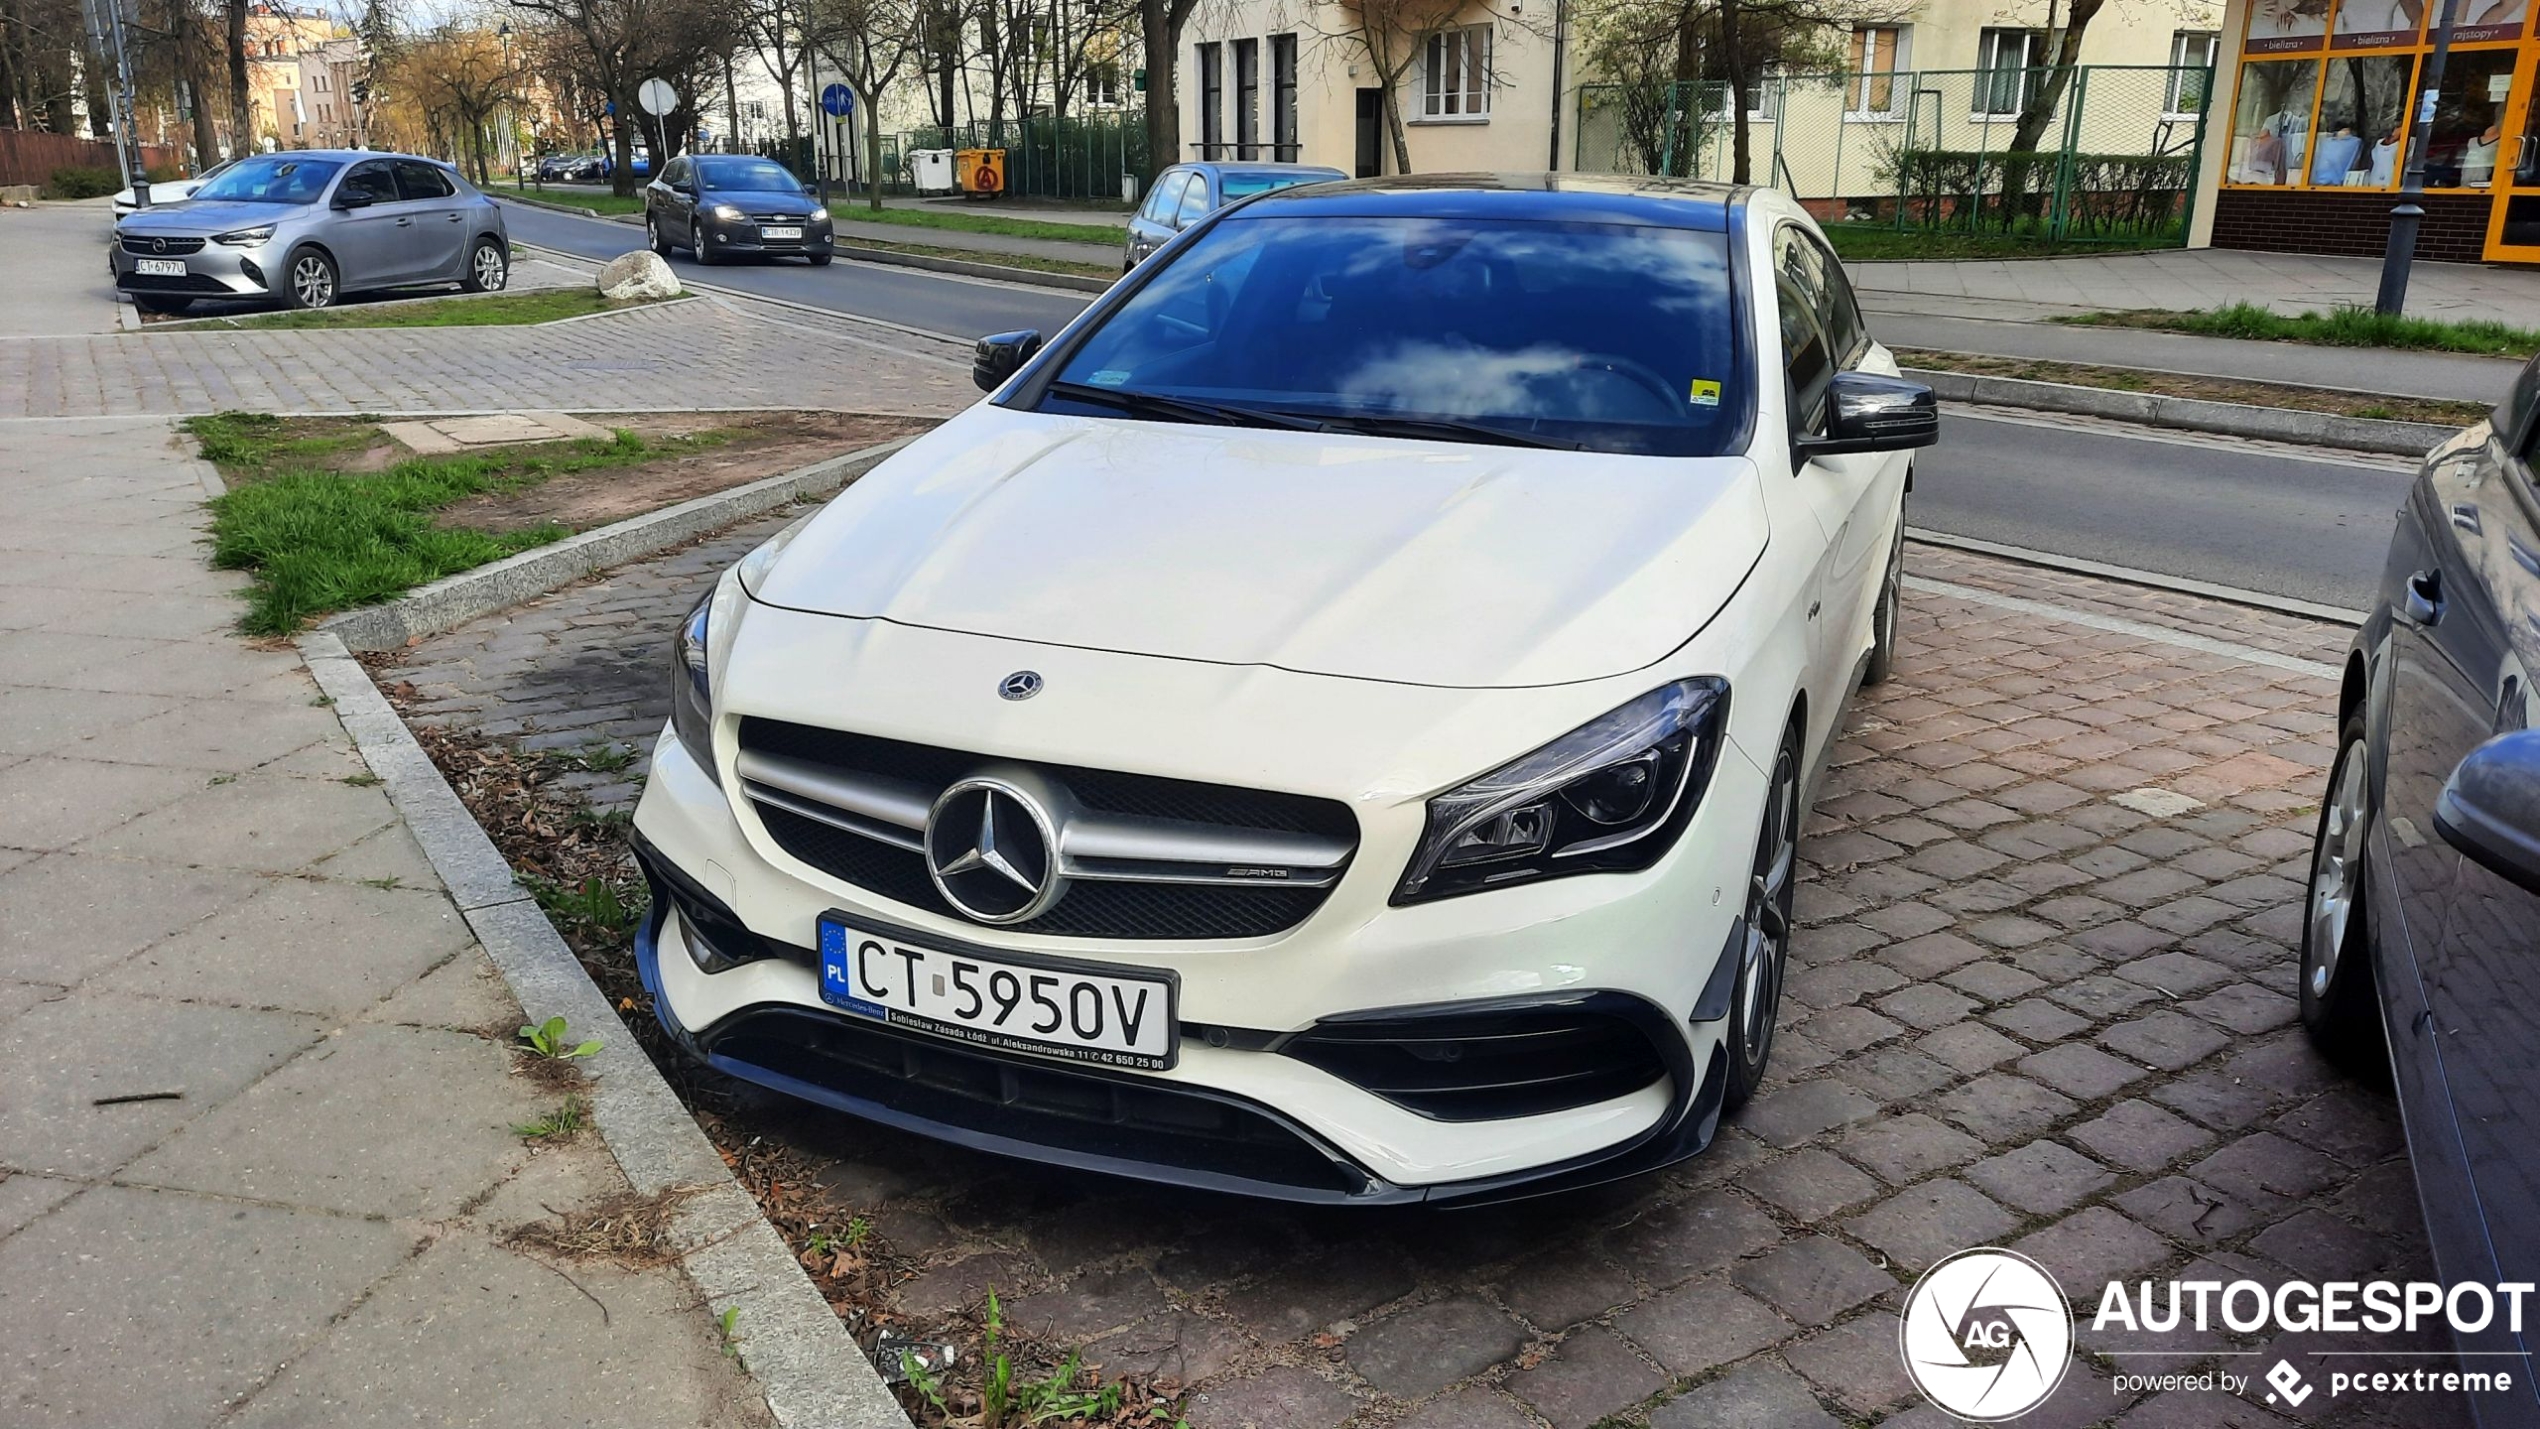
2399,255
510,143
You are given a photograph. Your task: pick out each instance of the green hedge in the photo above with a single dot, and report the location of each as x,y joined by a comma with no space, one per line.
2013,190
80,181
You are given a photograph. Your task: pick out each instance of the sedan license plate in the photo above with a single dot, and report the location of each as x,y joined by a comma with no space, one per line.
780,233
159,267
1081,1012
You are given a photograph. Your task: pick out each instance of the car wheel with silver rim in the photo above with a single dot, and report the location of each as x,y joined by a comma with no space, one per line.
1764,954
313,280
653,238
488,267
2340,1002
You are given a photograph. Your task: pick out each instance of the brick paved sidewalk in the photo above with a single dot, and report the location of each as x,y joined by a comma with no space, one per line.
2032,1005
210,906
707,352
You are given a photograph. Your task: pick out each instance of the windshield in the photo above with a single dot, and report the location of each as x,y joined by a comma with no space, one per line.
1608,337
272,178
750,175
1246,185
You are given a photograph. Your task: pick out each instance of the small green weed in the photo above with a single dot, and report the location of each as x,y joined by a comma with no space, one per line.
548,1039
724,1324
360,781
390,884
594,904
599,758
1009,1402
558,1125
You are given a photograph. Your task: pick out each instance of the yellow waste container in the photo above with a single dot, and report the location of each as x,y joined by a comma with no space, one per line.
981,172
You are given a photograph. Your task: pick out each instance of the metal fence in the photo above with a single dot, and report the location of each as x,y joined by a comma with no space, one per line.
2095,154
1081,157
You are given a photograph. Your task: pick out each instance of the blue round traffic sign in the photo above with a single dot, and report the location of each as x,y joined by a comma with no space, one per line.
838,101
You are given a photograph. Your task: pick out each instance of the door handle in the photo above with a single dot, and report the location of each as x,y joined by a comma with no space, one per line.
2423,604
454,218
405,223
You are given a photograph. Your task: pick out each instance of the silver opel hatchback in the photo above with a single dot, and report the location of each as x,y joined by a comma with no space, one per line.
307,227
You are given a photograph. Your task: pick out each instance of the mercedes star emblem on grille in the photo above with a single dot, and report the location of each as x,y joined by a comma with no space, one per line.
1021,685
992,852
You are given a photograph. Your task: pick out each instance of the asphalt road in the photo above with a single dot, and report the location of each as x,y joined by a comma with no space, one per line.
956,307
2208,509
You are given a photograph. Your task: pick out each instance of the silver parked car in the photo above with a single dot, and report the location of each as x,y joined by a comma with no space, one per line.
309,226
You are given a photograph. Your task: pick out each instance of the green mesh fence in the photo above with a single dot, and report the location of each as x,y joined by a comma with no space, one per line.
2096,154
1074,158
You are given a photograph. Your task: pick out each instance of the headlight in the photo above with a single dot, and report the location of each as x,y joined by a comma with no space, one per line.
727,213
246,237
692,691
1609,796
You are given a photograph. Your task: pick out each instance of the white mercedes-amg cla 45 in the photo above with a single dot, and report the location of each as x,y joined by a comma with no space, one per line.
1333,724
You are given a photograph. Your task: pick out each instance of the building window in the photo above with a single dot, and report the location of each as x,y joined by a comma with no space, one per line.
2192,56
1212,101
2007,62
1878,53
1455,74
1247,99
1102,84
1283,145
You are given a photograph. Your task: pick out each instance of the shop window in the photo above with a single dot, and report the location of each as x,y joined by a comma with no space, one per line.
2465,142
2270,125
2363,106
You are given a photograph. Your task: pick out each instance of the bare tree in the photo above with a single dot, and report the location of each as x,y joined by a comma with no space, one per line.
461,78
1393,37
869,42
615,45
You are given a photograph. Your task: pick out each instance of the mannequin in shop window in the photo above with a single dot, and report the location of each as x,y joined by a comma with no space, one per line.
2478,158
2385,160
2335,155
2266,155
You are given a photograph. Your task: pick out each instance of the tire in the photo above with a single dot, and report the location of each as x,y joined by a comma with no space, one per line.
1883,618
489,267
2340,998
697,244
154,303
1764,960
653,238
311,281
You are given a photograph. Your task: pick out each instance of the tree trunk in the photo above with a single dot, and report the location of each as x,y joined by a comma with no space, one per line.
206,132
1393,124
1733,52
1160,29
2019,199
622,146
872,149
242,115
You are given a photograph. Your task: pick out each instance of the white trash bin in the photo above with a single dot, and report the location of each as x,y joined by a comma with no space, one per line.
931,170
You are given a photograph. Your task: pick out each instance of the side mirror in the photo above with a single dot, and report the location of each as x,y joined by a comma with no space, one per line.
999,357
1869,413
810,192
348,201
2490,808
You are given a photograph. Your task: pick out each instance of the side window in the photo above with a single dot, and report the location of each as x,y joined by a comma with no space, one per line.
1167,195
372,179
1194,202
422,180
1805,358
1845,330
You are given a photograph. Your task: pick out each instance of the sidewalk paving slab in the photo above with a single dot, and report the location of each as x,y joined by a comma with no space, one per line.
213,908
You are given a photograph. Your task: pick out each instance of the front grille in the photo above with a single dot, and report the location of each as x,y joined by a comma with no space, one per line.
188,283
149,247
1486,1065
1092,908
1088,1115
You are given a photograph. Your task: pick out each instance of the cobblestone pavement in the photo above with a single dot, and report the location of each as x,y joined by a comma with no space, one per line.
2033,1005
744,354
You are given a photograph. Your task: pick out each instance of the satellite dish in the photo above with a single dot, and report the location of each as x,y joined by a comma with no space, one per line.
657,97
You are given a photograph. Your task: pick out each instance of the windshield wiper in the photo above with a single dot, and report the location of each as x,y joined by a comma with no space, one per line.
1453,429
1180,409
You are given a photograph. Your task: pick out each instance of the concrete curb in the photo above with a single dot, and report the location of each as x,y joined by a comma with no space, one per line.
963,267
454,600
575,209
2229,419
798,1352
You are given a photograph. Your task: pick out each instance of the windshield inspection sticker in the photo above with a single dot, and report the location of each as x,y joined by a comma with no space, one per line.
1705,393
1111,377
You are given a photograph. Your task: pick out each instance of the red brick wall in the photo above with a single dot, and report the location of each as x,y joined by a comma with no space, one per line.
2357,224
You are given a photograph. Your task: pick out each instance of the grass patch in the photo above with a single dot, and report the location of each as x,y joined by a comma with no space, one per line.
537,305
1106,234
2210,389
1027,261
2337,327
319,537
1870,242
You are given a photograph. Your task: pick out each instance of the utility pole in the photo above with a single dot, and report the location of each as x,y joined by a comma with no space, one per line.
107,26
2401,252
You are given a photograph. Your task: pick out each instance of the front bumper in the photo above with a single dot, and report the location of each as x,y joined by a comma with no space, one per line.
1646,946
213,271
745,237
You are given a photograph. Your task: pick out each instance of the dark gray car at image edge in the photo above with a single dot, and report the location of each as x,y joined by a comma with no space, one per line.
307,227
724,207
2421,925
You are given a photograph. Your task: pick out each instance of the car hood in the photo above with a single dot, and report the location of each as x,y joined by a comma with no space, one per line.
1418,562
200,217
